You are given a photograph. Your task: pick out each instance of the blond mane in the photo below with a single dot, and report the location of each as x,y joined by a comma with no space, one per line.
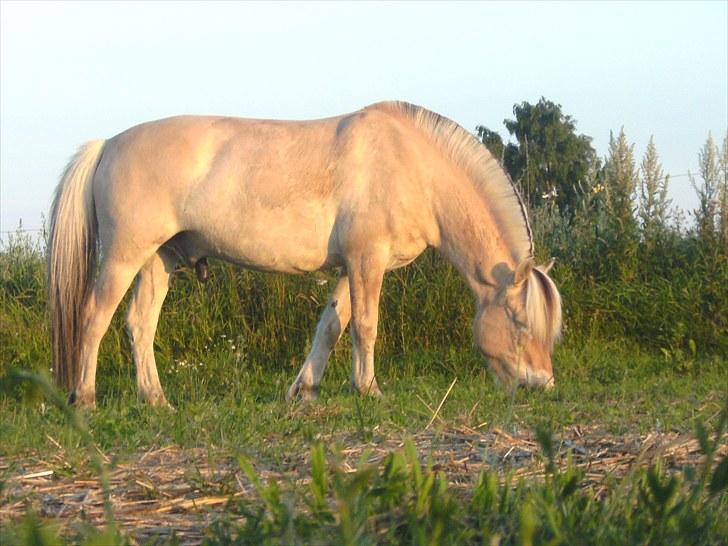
494,184
543,308
543,302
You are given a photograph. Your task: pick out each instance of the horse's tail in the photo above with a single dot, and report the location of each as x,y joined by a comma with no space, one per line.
72,249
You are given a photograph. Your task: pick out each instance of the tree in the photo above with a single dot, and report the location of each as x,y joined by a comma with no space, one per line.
492,141
549,161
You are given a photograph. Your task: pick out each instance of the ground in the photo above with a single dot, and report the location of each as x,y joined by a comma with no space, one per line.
173,473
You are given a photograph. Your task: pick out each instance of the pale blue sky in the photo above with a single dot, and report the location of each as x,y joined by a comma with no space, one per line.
71,72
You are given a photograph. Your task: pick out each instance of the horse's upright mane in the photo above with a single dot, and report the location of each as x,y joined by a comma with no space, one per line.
494,184
543,302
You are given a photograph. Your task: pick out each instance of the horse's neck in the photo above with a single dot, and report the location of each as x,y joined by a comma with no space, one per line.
470,239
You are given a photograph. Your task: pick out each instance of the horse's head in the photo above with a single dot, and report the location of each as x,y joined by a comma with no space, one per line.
516,329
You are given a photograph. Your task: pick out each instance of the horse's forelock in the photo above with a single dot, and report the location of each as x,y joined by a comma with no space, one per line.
543,307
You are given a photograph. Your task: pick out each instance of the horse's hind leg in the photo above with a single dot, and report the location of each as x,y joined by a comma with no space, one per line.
113,280
150,289
331,325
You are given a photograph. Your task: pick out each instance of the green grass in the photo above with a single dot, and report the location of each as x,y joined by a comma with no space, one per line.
227,352
400,501
619,389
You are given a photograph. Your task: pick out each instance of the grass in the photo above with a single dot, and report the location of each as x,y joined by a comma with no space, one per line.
621,390
616,388
400,499
226,367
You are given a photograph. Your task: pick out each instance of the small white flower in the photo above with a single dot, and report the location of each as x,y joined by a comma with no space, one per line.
551,195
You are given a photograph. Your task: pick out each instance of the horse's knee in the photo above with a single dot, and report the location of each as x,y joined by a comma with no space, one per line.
94,327
366,330
332,332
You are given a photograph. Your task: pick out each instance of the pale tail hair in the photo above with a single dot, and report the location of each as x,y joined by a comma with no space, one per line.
72,250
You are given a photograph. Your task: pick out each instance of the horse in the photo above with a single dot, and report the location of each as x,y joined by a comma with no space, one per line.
364,192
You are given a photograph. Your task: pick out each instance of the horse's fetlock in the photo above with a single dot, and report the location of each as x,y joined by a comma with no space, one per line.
82,399
154,399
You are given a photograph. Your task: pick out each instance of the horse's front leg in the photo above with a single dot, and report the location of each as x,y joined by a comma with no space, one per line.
366,273
331,325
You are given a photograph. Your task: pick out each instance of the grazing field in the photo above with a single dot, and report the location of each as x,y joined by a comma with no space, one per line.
629,447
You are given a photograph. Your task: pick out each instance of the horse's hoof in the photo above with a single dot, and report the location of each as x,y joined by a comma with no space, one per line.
370,390
82,401
165,406
374,393
302,392
156,401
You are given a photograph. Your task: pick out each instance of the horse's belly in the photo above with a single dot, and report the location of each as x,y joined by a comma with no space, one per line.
282,243
283,256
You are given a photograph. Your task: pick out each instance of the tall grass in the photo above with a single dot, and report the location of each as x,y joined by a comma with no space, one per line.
672,299
666,290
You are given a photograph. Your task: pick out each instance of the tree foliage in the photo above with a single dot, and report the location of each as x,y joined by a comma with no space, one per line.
549,160
492,141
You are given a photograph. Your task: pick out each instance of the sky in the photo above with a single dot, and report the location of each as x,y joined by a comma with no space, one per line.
72,72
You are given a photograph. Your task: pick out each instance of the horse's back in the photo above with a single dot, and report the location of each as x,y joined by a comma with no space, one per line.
246,186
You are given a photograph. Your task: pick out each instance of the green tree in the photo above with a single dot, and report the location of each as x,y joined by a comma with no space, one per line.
492,141
550,161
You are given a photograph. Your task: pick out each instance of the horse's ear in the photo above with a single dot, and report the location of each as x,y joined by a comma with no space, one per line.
523,271
545,268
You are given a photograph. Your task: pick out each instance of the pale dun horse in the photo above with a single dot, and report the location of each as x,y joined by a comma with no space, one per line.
365,192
